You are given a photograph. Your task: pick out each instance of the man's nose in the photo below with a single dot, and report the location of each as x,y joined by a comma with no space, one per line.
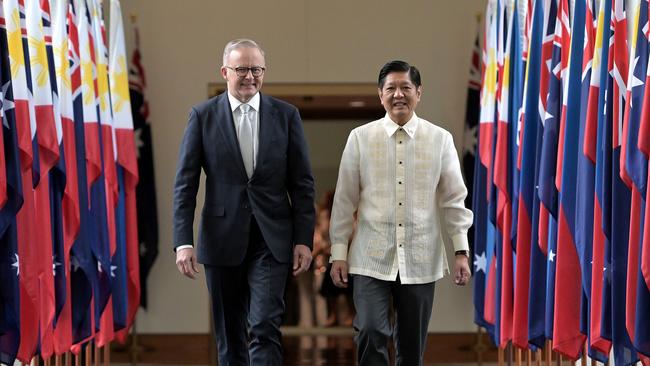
398,93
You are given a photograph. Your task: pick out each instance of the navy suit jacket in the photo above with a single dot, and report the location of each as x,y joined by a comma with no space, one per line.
280,194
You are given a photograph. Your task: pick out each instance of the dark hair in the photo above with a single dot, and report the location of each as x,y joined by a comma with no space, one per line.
399,66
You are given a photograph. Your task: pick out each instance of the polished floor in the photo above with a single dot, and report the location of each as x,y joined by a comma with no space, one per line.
324,350
338,349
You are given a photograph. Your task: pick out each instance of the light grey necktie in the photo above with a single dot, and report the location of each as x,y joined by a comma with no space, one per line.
246,139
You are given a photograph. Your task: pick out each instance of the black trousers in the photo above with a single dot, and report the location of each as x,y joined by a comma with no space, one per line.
248,305
412,305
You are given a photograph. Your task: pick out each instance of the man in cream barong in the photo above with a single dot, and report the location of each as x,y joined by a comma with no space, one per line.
402,177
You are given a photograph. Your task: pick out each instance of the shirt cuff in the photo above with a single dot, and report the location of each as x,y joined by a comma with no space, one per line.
183,247
339,252
460,242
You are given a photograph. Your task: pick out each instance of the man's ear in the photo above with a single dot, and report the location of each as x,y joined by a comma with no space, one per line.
224,72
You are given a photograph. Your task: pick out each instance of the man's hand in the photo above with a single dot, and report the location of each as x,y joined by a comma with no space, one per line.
339,273
462,273
301,259
186,262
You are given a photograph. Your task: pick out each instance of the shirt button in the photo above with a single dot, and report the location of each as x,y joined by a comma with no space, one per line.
400,203
400,182
400,141
400,225
400,245
400,162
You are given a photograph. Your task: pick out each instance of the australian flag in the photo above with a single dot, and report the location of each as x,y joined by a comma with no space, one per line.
146,188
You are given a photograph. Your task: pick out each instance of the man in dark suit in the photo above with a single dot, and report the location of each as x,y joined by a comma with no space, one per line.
258,213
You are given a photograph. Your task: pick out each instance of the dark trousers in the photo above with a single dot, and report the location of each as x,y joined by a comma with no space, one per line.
411,304
248,305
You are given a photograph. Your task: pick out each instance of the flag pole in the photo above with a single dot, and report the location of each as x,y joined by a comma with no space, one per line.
500,356
134,348
107,354
97,351
479,347
89,352
510,353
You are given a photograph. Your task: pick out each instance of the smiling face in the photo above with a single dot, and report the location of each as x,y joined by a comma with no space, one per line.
399,96
243,87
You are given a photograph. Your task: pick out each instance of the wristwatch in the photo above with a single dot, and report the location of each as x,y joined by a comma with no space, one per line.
463,252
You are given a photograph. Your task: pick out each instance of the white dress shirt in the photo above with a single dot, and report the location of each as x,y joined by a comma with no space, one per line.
402,181
254,116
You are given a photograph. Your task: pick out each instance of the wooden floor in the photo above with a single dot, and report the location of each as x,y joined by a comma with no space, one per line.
315,348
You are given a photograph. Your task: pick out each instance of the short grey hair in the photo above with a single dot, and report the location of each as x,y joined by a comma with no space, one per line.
240,43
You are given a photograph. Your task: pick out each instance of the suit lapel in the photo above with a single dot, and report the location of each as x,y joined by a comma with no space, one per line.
267,122
226,126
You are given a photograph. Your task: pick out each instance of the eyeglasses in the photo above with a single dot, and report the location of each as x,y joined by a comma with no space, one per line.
243,71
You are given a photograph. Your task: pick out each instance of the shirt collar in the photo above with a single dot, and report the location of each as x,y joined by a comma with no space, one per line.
410,127
254,102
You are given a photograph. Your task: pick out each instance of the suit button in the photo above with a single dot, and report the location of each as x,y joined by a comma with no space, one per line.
245,205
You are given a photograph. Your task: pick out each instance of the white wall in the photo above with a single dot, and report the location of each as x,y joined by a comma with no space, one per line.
305,41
